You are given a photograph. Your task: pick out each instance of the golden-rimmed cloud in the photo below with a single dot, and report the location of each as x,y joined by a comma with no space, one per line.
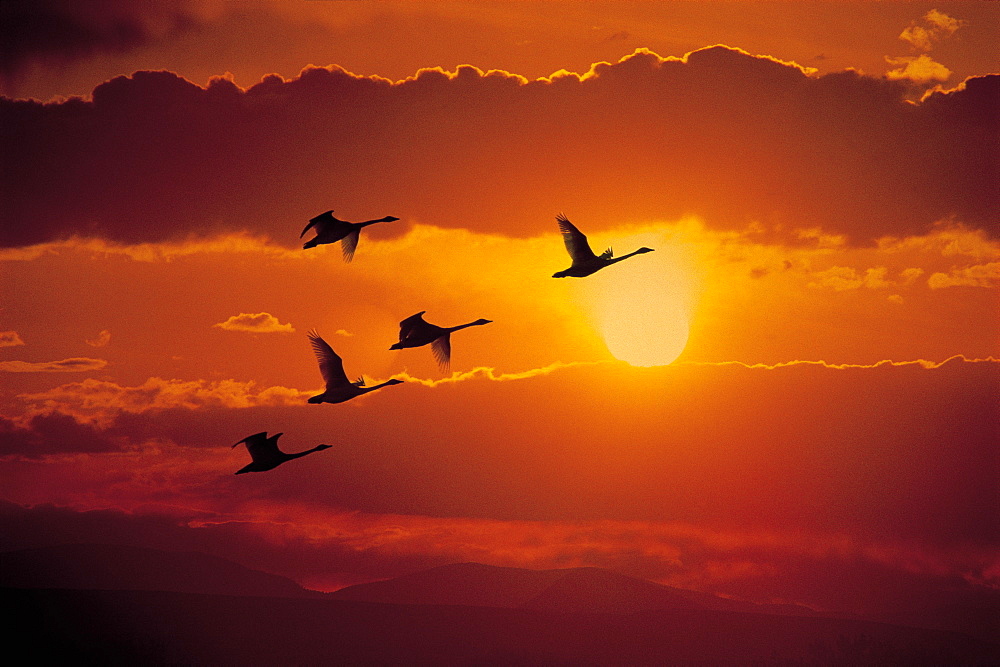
255,323
617,159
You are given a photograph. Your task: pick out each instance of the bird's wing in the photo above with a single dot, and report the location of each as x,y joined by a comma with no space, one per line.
407,326
261,447
350,243
256,437
318,222
441,347
576,243
331,366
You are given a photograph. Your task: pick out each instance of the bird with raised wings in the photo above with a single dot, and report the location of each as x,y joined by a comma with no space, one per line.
331,367
265,453
415,331
585,262
330,230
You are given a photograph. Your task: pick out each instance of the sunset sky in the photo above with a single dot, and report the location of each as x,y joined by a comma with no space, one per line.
793,399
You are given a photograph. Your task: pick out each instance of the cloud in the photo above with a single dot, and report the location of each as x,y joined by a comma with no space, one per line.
32,30
935,27
921,69
73,365
842,278
255,323
326,549
102,340
214,144
980,275
103,399
10,339
923,36
51,434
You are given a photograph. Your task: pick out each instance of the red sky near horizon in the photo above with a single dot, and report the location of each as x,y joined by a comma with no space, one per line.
792,399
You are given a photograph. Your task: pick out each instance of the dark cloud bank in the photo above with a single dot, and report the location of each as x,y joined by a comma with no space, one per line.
724,135
32,30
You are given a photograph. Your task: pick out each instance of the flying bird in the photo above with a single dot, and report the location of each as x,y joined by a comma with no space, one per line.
585,262
265,453
331,367
330,230
415,331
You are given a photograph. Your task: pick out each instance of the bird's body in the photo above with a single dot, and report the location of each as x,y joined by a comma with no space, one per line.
415,331
265,453
585,262
331,367
330,230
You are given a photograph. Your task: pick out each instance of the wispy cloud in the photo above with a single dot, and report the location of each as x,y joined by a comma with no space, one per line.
101,340
980,275
10,339
922,35
73,365
922,363
933,27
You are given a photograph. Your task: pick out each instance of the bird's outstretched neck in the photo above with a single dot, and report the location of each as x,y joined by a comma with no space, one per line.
387,218
640,251
469,324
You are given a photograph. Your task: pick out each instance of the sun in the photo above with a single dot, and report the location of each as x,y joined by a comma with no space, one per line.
640,307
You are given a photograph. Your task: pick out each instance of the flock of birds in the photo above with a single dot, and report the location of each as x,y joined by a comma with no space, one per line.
414,331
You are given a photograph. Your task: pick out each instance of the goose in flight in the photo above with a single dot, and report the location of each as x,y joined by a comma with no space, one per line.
585,262
415,331
331,367
265,453
330,230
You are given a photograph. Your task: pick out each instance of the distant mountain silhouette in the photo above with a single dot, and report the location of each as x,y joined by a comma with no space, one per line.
582,589
115,567
160,628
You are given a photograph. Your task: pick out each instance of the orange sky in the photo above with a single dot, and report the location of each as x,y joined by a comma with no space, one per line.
820,195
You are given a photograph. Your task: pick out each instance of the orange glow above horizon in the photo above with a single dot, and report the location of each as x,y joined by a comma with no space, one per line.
676,415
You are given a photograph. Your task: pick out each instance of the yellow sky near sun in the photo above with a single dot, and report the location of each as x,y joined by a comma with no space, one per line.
741,298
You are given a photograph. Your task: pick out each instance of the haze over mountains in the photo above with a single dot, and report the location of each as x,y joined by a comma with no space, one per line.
581,589
154,607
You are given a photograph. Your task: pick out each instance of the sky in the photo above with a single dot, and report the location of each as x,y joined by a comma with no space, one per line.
792,399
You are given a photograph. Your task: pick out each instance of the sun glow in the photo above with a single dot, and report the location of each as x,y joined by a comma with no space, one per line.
641,307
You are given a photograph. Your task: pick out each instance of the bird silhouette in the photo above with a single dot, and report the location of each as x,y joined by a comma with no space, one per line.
330,230
415,331
265,453
331,367
585,262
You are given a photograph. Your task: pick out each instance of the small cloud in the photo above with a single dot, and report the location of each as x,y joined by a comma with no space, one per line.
909,275
935,27
102,339
842,278
620,36
895,298
921,69
74,365
10,339
256,323
343,332
980,275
